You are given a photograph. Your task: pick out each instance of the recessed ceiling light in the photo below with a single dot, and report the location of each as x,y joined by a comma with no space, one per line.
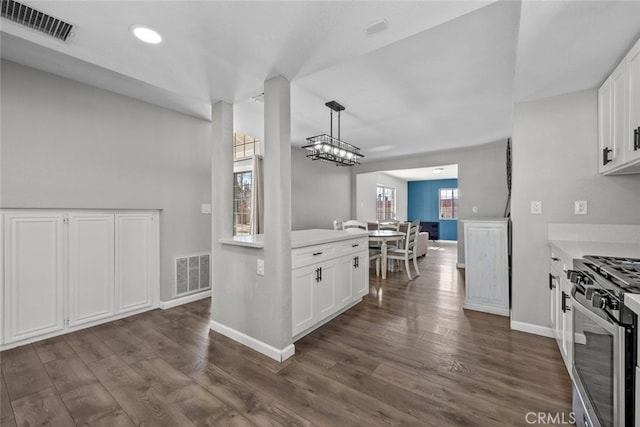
146,34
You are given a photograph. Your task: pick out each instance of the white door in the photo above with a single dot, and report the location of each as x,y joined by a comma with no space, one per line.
612,119
633,69
136,259
33,257
91,267
605,145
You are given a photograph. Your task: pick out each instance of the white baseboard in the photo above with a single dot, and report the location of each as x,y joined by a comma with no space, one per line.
545,331
460,265
279,355
184,300
486,308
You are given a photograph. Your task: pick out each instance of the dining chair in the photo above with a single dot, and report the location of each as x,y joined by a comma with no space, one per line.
353,223
409,250
375,255
337,224
389,224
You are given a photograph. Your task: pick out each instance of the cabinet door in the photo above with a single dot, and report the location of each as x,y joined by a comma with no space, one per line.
33,257
612,119
324,290
344,278
632,152
302,287
136,259
91,267
486,262
360,275
567,326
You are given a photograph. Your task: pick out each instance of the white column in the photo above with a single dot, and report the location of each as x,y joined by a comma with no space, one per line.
222,193
277,197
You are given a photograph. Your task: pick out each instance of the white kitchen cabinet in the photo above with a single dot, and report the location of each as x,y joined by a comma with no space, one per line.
619,118
632,151
561,305
91,267
487,266
612,119
327,279
136,240
60,270
34,268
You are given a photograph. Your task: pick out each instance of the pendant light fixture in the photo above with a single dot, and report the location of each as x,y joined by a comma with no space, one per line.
329,149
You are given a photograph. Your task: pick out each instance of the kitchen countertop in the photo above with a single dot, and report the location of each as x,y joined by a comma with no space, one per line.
299,238
633,302
578,249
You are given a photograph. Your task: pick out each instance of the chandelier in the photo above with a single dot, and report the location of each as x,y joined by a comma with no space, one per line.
329,149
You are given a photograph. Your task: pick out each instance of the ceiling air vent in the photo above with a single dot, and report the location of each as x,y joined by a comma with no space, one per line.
39,21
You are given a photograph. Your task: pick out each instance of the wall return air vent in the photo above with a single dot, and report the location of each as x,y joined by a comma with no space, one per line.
36,20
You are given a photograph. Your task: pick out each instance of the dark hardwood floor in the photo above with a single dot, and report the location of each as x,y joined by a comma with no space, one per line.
407,355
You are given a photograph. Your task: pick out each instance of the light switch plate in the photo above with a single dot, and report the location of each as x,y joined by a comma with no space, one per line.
260,268
580,207
536,207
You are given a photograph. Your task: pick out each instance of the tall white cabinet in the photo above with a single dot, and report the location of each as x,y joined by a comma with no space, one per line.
65,270
486,258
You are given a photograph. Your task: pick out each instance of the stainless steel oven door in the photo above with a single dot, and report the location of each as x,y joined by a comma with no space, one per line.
598,357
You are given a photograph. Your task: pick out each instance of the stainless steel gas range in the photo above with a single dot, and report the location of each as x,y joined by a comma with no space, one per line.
604,340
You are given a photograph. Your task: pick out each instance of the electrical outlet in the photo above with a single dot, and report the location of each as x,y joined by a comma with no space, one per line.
536,207
260,268
474,209
580,207
206,208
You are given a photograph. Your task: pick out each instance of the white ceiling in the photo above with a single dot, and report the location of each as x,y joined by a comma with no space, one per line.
444,75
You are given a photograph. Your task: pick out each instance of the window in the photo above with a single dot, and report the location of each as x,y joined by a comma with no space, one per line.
385,202
242,203
448,203
244,146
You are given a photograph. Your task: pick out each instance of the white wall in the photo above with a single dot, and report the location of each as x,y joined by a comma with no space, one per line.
482,179
69,145
320,192
555,160
366,184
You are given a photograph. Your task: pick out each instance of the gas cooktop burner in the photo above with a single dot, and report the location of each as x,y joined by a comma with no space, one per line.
625,272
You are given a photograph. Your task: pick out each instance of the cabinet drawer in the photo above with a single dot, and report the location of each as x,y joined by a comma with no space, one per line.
313,254
353,246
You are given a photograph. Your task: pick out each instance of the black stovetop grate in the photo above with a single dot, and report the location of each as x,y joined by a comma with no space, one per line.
625,272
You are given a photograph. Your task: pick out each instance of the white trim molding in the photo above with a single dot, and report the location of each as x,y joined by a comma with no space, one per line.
532,329
184,300
279,355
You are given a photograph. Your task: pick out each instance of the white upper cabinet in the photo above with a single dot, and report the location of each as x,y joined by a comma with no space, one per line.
91,267
619,118
612,126
632,151
33,264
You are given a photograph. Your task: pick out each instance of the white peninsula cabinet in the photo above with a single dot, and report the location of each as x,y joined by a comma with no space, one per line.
330,273
65,270
486,257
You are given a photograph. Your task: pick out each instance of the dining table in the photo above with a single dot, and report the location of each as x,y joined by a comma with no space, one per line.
382,237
